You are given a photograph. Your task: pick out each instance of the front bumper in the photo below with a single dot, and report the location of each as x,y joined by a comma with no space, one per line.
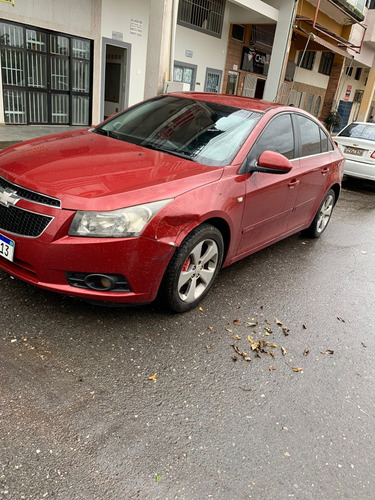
46,260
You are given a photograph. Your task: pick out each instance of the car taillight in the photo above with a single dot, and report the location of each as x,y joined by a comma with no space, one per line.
373,155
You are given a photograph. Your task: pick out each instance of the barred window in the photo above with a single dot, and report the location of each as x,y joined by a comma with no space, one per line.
326,63
307,62
202,15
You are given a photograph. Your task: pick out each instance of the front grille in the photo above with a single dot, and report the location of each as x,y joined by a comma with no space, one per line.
30,195
22,222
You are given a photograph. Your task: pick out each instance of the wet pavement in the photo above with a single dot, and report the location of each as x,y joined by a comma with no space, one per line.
134,403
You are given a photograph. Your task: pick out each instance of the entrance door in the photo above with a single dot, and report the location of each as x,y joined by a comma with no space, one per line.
213,80
115,78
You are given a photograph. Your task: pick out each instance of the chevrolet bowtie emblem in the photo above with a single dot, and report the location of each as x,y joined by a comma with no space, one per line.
8,197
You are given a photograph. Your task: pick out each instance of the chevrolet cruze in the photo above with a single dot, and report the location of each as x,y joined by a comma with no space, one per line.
155,200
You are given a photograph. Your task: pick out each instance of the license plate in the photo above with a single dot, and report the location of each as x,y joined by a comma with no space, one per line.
354,151
7,247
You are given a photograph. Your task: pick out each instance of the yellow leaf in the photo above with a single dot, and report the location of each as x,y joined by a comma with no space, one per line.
201,308
283,350
299,369
250,339
153,377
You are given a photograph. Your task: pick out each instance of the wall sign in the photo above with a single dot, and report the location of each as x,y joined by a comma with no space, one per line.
116,35
11,2
136,27
255,61
348,92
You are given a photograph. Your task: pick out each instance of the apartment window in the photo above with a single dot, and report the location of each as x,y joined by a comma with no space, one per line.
46,76
349,70
358,73
238,32
203,15
326,62
307,61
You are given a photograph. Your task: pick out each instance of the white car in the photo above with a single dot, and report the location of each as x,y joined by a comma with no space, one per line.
357,143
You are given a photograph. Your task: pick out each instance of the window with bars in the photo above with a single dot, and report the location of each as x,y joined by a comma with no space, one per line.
203,15
46,76
306,60
326,62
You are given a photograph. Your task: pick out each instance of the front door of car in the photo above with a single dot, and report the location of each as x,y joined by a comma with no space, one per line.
312,171
269,198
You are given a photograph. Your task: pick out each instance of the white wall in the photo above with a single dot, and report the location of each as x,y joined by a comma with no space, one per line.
122,17
68,16
208,51
312,77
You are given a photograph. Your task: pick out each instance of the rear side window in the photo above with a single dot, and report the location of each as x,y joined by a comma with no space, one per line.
310,136
326,144
277,136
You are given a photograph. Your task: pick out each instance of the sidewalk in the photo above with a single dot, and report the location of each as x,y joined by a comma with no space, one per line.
12,134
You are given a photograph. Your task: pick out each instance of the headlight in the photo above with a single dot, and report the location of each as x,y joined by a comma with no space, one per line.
123,223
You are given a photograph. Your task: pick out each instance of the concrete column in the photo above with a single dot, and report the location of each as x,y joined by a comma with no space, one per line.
280,49
367,98
158,46
333,88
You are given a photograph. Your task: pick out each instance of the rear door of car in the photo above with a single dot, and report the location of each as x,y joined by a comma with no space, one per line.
269,198
312,171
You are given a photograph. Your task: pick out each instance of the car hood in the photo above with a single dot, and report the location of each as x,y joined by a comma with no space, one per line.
87,171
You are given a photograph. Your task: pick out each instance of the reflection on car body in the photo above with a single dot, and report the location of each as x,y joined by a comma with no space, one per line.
159,197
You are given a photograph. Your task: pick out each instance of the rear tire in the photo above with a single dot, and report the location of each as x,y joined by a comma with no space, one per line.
322,217
193,268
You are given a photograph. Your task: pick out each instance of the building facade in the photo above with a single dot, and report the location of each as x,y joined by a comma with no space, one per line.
76,63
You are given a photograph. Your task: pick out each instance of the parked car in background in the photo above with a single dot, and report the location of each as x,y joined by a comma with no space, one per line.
357,142
159,197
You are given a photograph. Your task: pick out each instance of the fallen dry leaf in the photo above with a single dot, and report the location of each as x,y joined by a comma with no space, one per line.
298,369
306,352
236,337
304,326
340,319
208,347
237,322
234,358
271,368
250,339
153,377
283,351
278,322
241,353
201,308
251,324
285,330
328,351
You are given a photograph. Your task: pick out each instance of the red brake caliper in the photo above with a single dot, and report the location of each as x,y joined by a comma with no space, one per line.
186,265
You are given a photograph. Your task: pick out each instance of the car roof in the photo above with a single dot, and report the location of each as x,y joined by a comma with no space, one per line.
230,100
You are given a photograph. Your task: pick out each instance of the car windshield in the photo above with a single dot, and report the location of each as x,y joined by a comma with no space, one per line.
359,131
205,132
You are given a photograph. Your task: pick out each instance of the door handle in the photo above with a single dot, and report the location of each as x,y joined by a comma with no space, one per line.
293,183
325,170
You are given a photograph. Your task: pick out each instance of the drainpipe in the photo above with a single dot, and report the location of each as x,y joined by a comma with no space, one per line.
173,38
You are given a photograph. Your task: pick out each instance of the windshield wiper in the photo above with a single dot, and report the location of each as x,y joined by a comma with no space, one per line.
168,151
108,133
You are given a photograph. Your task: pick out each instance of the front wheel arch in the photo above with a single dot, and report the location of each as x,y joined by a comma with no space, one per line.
193,268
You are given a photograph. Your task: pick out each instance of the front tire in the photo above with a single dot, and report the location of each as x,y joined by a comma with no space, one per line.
193,268
322,216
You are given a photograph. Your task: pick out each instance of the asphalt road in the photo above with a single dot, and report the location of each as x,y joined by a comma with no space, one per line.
80,417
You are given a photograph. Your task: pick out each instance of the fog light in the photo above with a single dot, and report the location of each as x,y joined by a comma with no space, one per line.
99,282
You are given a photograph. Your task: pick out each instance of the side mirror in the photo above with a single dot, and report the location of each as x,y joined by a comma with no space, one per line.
271,162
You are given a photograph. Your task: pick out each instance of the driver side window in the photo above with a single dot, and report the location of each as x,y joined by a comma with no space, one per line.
277,136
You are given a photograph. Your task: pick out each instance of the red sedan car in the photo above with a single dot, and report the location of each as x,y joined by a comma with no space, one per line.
159,197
